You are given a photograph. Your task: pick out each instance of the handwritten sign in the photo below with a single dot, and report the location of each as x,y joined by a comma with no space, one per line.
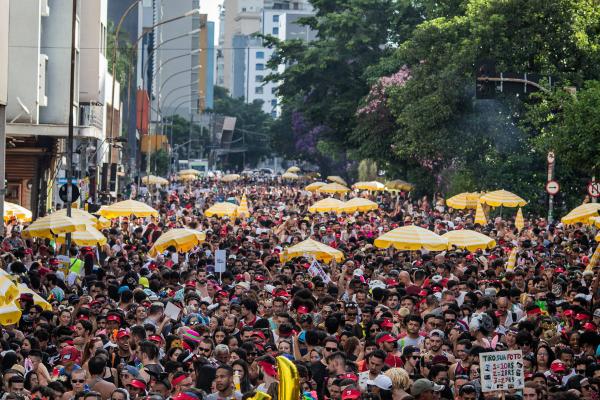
501,370
316,270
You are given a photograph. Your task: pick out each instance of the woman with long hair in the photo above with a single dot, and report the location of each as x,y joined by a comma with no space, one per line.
240,367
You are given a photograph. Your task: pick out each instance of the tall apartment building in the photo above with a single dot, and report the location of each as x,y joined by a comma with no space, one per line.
37,110
243,57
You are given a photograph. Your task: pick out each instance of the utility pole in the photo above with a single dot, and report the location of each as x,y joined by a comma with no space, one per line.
2,163
189,149
71,122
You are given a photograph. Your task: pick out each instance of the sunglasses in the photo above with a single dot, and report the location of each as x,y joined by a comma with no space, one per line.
580,371
205,350
77,380
375,330
331,348
450,321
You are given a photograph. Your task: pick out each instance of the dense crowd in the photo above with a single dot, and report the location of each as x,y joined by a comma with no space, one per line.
385,324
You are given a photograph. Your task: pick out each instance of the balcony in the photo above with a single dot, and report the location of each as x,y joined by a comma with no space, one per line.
91,114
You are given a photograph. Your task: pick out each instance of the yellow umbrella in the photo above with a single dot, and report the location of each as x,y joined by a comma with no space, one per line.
221,210
337,179
326,205
512,259
519,220
189,172
17,211
314,186
90,237
154,180
412,238
230,177
293,170
37,299
243,210
372,186
79,215
187,177
102,223
8,290
582,214
358,204
52,225
597,238
290,176
595,221
333,188
126,208
502,198
399,184
480,215
10,314
468,239
182,239
311,247
464,200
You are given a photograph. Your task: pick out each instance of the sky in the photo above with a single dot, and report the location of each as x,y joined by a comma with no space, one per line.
211,7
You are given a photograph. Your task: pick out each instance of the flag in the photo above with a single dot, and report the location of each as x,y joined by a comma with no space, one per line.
519,221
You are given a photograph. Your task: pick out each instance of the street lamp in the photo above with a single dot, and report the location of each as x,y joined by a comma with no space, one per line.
195,11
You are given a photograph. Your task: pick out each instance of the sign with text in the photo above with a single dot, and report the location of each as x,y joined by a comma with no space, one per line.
501,370
220,261
316,270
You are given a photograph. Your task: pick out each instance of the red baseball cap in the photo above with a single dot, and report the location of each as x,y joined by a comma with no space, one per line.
259,278
70,353
138,383
113,317
387,323
350,394
155,338
349,375
302,310
558,366
387,338
123,333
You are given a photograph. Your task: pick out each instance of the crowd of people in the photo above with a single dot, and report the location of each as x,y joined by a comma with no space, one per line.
384,324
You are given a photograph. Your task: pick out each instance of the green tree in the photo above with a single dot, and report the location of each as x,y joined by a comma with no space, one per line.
159,163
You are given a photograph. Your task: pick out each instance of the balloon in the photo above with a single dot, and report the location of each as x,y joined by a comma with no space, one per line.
260,396
289,380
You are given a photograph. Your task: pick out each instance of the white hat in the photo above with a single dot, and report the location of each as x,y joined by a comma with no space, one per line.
381,381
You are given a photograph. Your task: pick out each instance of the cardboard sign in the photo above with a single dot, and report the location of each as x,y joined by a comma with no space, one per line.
316,270
501,370
172,311
220,260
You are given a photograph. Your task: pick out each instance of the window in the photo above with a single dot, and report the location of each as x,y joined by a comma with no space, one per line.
260,66
274,114
275,18
275,30
273,102
258,90
259,78
273,90
260,55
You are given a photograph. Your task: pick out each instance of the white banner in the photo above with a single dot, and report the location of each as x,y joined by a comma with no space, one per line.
316,270
220,260
501,370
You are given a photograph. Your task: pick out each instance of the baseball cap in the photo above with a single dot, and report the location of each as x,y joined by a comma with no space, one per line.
381,381
386,338
122,333
437,332
138,383
597,313
133,371
351,394
558,366
423,385
70,353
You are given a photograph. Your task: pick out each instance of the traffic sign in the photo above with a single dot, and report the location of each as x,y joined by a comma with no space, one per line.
64,195
594,189
551,157
552,187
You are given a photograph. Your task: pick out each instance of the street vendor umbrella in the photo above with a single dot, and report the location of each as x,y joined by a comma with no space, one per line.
468,239
187,177
502,198
10,314
189,172
182,239
329,204
8,290
222,210
16,211
154,180
399,184
80,215
293,170
412,238
333,188
372,186
37,299
358,204
126,208
311,247
230,177
337,179
53,225
582,214
290,176
102,223
596,222
314,186
464,200
90,237
243,210
480,215
519,220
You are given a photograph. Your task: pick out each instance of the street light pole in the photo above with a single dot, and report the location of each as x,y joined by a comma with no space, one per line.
71,122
